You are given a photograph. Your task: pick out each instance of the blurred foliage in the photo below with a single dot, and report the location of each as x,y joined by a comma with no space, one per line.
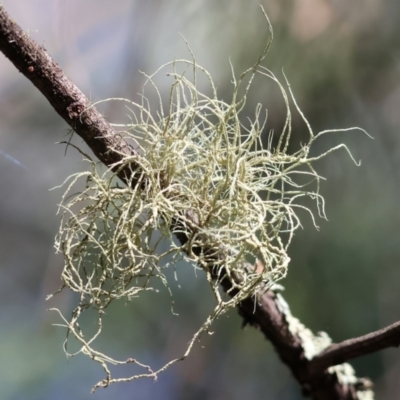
342,60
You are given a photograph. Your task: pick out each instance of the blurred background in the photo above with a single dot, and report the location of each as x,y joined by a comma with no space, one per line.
343,62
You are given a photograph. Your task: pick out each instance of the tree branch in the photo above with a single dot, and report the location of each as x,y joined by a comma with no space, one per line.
268,311
272,316
65,97
356,347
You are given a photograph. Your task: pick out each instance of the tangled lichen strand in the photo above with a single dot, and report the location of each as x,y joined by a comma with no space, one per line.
204,174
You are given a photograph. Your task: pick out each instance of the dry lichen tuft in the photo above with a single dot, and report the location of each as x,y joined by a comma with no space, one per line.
203,174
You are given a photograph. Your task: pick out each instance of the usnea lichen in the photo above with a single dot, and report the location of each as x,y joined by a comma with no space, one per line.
203,175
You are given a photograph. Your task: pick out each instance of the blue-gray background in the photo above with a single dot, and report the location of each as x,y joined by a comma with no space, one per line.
343,61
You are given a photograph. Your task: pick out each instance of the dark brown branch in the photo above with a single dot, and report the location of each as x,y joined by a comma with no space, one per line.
65,97
361,346
272,321
70,103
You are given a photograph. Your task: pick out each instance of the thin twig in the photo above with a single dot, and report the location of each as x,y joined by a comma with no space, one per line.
339,353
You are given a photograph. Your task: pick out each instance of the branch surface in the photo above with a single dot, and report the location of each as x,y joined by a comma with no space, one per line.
352,348
266,312
64,96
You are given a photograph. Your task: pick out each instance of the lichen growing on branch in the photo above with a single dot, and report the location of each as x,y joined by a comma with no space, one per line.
204,175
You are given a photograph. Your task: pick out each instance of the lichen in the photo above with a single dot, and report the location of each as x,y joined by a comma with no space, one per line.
203,173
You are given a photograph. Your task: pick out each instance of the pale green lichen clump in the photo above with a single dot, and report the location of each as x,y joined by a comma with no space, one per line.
203,174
